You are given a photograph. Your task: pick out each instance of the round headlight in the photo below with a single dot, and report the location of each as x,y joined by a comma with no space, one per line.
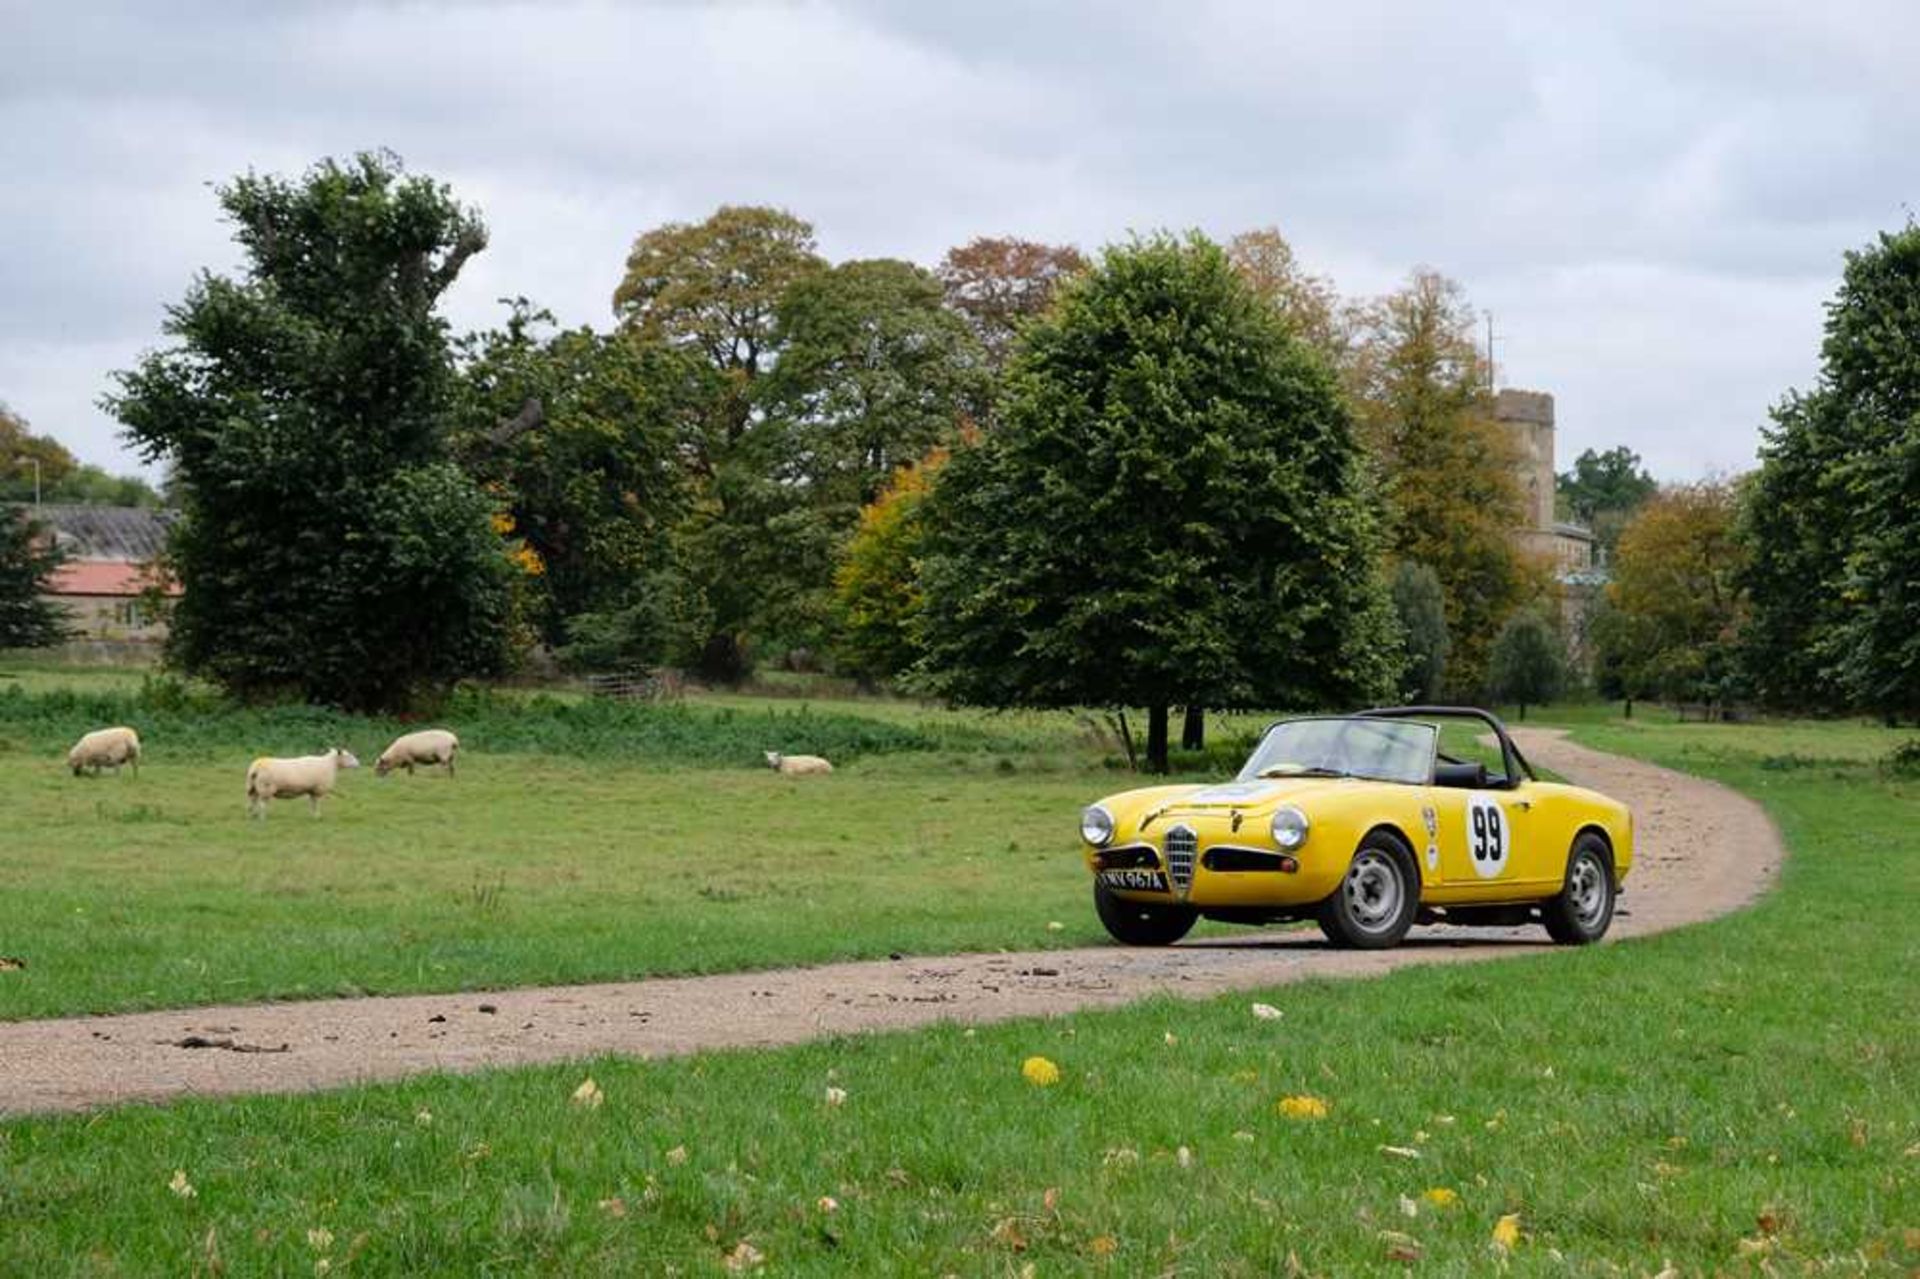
1289,827
1096,825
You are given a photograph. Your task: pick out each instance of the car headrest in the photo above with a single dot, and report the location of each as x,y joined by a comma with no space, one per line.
1468,776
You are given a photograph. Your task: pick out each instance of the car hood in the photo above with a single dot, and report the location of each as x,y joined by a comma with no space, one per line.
1256,798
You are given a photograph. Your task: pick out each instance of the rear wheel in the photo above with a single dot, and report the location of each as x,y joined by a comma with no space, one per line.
1375,904
1142,923
1583,911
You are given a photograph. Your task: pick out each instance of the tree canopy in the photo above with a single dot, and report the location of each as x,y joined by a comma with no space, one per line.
998,283
1528,663
1169,511
1603,490
328,545
1834,511
1674,599
1448,467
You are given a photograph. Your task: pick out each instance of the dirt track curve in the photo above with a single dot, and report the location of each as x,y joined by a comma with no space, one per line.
1703,850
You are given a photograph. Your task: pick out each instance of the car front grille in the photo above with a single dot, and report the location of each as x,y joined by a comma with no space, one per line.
1182,844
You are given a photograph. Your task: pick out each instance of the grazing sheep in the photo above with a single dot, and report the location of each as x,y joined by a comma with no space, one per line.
797,765
105,748
309,775
425,748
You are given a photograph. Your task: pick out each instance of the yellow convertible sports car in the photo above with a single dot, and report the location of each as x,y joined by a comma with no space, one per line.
1362,824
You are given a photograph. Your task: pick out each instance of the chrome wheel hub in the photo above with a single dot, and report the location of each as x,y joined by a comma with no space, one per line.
1373,891
1588,891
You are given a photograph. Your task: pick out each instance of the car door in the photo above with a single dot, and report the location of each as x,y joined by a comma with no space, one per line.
1481,838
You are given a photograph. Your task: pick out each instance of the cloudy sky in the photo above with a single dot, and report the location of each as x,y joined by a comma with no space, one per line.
1650,198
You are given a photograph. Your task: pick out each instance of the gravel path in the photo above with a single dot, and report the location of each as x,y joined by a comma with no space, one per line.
1703,851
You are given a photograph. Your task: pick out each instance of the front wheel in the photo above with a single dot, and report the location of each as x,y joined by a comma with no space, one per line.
1142,923
1375,904
1583,911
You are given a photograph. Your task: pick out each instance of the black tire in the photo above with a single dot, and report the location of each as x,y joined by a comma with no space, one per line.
1377,899
1583,911
1142,923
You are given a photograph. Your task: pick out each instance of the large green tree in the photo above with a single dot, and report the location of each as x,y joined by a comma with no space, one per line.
577,434
28,558
1420,606
1169,511
712,291
1675,605
329,546
1833,514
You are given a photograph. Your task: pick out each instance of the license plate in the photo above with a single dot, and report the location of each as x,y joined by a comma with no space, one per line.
1142,881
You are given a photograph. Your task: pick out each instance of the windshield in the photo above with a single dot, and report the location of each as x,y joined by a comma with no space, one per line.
1379,750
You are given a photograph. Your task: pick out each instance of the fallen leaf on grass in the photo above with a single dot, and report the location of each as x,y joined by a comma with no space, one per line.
1103,1245
1183,1157
1242,1135
1170,1039
614,1207
1401,1247
1506,1232
1267,1012
1401,1152
1409,1207
320,1239
1008,1234
827,1203
1051,1198
836,1096
181,1186
1040,1072
1120,1155
1302,1107
745,1257
11,963
1768,1221
588,1095
1857,1132
677,1156
1440,1197
1759,1247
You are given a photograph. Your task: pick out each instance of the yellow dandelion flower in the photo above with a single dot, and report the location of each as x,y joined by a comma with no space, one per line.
1302,1107
1506,1232
1040,1072
1440,1197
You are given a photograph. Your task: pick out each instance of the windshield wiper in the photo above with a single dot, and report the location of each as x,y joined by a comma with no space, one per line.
1299,770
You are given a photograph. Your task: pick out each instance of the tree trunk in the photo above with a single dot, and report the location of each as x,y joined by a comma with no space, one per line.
1629,714
1523,711
1193,733
1126,740
1157,739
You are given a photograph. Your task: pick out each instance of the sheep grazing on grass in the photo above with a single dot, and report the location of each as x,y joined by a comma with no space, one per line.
309,775
797,765
426,748
105,748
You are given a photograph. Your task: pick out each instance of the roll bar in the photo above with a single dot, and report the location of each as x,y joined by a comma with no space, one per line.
1514,762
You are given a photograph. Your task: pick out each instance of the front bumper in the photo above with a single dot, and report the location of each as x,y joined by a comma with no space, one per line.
1216,868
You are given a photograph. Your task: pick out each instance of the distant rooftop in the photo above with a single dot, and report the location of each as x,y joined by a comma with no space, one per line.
105,534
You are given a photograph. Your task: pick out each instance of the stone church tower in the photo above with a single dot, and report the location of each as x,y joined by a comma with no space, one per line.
1528,417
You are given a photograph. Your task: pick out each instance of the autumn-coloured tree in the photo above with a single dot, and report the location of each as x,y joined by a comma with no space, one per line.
1674,597
1309,303
877,584
997,283
1447,467
714,288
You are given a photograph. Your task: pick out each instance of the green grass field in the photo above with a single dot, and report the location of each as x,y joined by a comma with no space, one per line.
1736,1097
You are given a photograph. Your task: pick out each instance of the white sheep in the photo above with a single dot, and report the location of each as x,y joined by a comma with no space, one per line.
425,748
105,748
309,775
797,765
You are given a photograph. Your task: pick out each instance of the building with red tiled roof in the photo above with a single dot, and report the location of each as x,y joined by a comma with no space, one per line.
105,586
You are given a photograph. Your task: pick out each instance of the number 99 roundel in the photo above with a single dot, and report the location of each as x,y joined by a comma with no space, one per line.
1488,840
